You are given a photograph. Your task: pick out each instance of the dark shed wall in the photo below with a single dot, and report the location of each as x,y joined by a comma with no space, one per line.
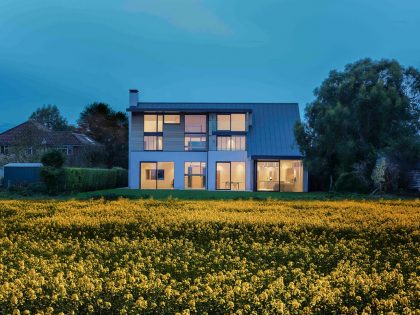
21,175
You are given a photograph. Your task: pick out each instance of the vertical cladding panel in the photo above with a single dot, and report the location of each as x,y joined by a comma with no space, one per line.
137,132
173,136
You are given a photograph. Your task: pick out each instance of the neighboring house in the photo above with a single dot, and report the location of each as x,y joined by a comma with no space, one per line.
32,138
214,146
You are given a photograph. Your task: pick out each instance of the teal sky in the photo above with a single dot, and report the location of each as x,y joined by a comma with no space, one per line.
72,53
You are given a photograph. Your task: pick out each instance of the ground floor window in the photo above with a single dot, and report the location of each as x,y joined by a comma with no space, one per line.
282,175
157,175
230,176
195,175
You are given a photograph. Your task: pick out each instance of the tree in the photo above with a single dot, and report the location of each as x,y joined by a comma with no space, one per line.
370,109
108,127
50,117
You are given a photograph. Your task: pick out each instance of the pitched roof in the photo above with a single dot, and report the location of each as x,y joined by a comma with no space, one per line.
44,135
271,132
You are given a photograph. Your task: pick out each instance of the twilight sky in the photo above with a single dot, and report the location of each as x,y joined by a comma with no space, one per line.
72,53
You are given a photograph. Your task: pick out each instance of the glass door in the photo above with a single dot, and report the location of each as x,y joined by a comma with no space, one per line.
157,175
230,176
268,176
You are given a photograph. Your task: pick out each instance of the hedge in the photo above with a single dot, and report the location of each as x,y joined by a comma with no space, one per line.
89,179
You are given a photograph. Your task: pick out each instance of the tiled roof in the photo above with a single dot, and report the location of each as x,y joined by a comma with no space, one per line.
44,135
272,130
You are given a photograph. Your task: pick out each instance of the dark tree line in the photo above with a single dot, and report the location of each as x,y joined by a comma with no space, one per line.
100,122
367,112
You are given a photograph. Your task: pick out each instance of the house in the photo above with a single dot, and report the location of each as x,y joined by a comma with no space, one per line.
214,146
31,137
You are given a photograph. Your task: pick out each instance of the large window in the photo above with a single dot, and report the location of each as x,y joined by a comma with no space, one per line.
195,133
283,175
195,175
153,123
195,124
195,142
231,122
172,119
157,175
230,176
231,143
153,143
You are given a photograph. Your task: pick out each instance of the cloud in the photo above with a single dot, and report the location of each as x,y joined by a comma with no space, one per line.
190,15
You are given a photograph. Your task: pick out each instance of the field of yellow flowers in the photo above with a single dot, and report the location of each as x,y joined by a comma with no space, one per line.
214,257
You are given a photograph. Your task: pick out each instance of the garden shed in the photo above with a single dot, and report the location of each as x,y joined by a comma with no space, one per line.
21,173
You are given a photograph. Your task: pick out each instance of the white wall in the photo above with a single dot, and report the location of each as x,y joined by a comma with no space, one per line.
179,159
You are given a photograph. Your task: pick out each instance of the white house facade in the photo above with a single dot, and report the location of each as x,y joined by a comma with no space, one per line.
214,146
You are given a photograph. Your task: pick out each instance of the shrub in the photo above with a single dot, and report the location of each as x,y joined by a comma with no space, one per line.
53,178
88,179
351,182
53,158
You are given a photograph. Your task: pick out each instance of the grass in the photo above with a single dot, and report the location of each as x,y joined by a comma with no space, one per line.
112,194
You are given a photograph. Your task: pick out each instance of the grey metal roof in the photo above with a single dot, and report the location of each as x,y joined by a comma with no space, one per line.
271,133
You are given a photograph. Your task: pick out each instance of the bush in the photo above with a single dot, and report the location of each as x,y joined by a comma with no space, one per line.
351,182
89,179
53,158
53,178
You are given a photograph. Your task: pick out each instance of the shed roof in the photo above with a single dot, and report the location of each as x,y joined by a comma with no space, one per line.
271,133
23,165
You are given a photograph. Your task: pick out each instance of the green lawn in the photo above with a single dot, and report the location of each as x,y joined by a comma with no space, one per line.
219,195
199,195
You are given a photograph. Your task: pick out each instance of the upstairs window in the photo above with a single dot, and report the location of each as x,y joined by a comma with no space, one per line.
231,122
195,142
153,123
172,119
231,143
153,143
195,123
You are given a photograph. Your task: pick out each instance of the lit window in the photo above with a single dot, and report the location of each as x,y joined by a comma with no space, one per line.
195,142
231,143
230,176
195,175
153,143
157,175
195,123
223,122
237,122
231,122
153,123
172,119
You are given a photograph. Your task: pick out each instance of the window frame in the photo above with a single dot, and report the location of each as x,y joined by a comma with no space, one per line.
230,122
156,169
171,123
156,142
230,143
230,175
203,174
157,123
4,149
196,134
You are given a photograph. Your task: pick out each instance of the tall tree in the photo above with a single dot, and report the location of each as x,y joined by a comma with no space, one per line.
108,127
50,117
372,108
